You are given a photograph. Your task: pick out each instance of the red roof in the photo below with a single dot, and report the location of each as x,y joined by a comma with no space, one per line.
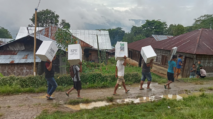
195,42
141,43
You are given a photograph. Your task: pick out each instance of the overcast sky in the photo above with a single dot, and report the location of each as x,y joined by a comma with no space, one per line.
96,14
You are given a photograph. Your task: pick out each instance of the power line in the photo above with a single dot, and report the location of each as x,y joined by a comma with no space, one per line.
38,3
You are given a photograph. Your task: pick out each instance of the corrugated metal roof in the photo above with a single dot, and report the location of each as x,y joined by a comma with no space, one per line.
4,40
10,57
141,43
161,37
89,36
195,42
25,31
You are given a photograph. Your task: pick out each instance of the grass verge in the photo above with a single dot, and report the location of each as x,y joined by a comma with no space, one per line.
192,107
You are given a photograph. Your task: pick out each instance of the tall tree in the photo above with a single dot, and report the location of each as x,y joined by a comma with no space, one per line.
146,30
175,30
203,21
64,24
178,30
45,18
4,33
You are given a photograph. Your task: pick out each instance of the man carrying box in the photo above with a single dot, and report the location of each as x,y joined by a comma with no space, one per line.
49,75
119,73
74,73
146,74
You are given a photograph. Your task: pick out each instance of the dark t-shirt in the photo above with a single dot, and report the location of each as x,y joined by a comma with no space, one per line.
49,74
145,69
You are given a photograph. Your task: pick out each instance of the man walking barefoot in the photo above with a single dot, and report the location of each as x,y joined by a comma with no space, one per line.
119,73
146,74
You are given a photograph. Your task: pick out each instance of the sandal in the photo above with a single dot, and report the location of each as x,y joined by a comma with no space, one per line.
79,98
49,98
127,91
169,88
149,89
165,86
116,94
141,88
67,94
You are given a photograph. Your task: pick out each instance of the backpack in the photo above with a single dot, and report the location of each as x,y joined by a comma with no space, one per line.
72,74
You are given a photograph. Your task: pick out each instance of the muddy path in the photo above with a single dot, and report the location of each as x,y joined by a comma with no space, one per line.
28,106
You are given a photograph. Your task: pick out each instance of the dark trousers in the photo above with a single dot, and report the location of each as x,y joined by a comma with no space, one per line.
52,85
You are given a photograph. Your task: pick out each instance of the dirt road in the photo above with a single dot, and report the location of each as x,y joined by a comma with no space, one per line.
28,106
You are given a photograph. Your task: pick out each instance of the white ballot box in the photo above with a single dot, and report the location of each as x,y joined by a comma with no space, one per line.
121,50
74,54
47,50
173,52
148,53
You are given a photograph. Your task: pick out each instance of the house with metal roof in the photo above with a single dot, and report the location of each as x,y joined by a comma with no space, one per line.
16,56
135,47
194,46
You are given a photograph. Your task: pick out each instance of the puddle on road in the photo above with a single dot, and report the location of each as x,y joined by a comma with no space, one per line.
88,105
124,101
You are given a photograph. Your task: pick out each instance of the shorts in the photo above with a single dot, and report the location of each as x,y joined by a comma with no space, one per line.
146,75
178,71
120,80
77,85
170,76
198,73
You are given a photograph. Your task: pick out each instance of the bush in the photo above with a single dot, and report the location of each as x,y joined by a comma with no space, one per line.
1,75
112,60
89,80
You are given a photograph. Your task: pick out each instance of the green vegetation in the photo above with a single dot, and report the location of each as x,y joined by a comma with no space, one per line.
1,75
4,33
197,81
1,114
75,102
110,99
192,107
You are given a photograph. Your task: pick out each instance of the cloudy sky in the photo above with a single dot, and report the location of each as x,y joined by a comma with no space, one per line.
96,14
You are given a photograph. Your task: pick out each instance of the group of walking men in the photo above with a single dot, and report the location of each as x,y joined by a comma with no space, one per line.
172,73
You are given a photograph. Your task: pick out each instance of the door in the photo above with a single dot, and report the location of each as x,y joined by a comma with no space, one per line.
186,67
164,60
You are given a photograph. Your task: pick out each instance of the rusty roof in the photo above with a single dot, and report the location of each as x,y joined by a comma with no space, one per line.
195,42
13,57
161,37
141,43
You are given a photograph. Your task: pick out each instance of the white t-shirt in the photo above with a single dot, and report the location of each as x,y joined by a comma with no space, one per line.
120,67
76,68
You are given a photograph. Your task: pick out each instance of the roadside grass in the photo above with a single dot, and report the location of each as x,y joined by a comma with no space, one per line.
197,81
193,107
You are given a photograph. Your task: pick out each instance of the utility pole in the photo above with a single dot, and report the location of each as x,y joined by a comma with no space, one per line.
34,68
98,50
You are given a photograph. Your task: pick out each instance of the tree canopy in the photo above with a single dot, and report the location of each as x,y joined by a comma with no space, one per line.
175,30
64,24
45,18
146,30
4,33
